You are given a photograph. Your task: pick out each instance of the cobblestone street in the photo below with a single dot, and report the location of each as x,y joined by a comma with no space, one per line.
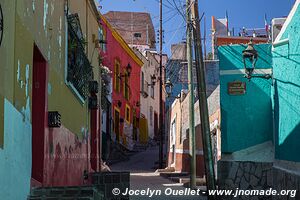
143,176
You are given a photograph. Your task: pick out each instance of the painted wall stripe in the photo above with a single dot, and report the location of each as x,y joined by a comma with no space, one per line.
242,71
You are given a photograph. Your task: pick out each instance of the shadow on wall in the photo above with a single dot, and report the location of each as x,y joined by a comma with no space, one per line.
234,52
246,119
287,56
287,148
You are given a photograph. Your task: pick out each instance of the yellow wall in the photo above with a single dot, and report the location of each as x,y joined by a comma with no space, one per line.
43,23
6,60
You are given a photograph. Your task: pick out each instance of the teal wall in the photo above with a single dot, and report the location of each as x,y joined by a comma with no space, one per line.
286,63
246,120
15,157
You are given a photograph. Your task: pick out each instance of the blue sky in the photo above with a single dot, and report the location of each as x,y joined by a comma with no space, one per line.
240,14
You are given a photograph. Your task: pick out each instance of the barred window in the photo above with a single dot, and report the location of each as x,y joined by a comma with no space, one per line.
79,69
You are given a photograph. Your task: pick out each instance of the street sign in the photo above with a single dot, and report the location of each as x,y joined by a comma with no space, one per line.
236,88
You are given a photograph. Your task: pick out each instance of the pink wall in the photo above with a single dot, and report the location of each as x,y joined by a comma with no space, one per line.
65,158
115,50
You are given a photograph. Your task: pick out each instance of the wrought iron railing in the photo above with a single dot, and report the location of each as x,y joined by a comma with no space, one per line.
80,71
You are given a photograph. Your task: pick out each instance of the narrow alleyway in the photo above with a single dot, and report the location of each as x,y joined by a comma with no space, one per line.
143,176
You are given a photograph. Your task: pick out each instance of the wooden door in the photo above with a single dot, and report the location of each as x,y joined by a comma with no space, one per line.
156,125
39,113
117,124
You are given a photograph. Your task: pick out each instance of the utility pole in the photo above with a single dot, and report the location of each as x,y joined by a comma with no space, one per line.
161,131
189,55
204,116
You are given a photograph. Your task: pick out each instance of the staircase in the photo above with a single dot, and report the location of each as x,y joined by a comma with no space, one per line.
66,193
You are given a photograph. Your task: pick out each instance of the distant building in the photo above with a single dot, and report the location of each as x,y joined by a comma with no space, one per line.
261,119
149,119
136,28
178,51
177,72
277,24
178,123
221,35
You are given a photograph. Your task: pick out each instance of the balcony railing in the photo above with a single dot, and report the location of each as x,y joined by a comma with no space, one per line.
80,71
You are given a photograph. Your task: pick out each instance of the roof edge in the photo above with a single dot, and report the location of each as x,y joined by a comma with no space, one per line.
287,21
122,42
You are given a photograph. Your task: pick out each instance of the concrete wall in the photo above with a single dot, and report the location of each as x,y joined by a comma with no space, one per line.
246,119
286,64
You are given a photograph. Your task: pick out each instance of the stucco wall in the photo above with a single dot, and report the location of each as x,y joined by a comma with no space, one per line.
286,66
15,157
246,119
15,108
42,23
149,69
116,48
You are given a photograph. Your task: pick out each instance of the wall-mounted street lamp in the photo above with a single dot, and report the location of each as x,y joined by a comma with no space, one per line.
168,87
128,71
153,80
250,56
119,103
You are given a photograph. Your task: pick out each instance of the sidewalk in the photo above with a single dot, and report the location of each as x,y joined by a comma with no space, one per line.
143,177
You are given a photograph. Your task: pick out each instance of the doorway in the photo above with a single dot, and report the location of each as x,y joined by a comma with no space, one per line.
39,113
135,126
156,126
117,124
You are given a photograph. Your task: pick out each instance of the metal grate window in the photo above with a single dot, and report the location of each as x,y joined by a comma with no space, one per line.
79,71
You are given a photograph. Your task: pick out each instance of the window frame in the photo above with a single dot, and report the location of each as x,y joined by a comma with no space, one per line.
126,88
127,113
151,115
68,83
117,81
102,38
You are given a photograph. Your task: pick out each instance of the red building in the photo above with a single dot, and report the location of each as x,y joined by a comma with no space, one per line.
125,66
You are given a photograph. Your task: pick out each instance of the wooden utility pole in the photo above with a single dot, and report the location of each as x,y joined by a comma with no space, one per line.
201,90
161,131
192,141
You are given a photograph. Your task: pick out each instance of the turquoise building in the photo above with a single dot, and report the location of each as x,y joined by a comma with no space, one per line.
261,117
286,64
247,116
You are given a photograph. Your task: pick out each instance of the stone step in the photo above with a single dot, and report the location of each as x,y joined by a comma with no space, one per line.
64,193
61,198
186,179
168,169
173,174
